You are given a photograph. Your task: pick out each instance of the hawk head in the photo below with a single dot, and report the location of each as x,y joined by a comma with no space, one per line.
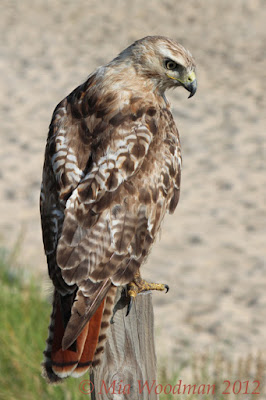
163,61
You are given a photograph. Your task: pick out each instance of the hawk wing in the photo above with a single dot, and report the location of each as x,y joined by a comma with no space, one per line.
101,206
99,225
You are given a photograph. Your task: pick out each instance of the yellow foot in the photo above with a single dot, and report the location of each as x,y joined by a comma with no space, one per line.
139,285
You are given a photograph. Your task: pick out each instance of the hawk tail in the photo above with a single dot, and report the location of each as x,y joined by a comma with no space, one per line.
86,350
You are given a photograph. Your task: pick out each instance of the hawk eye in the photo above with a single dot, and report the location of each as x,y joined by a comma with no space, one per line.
170,64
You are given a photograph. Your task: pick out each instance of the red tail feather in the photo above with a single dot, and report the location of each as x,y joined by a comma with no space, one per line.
65,361
87,349
91,341
77,359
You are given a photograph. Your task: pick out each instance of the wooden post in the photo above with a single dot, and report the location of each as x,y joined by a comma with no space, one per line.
129,359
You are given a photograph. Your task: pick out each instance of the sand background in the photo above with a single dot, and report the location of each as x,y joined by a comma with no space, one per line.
212,251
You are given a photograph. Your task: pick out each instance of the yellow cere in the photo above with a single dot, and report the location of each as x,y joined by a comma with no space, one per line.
190,78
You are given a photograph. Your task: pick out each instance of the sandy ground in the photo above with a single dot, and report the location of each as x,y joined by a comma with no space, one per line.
211,251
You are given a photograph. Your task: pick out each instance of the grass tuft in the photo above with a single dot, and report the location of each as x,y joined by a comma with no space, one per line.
24,317
242,380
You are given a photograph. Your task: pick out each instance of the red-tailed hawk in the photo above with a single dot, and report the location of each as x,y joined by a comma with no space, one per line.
111,172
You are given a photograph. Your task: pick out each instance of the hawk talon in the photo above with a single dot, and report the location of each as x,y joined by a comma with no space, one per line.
130,303
139,285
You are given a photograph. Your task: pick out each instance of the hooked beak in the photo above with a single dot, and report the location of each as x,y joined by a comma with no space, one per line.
191,83
191,87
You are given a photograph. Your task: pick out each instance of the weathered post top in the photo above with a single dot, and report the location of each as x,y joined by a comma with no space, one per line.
128,368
